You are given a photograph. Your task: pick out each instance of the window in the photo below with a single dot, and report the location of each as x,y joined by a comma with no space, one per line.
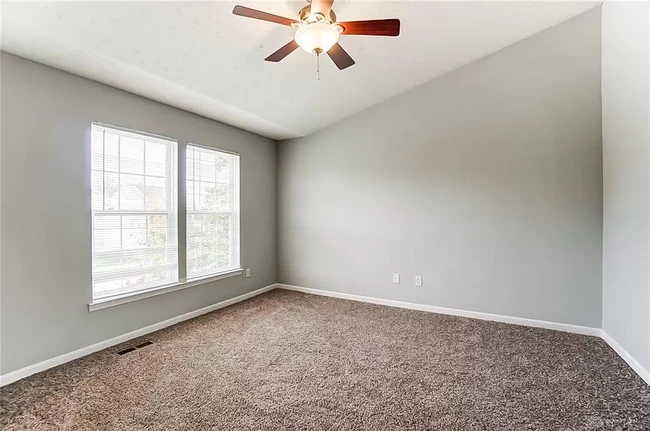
134,211
135,225
212,186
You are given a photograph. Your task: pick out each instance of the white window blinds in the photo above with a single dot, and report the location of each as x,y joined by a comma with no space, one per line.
212,211
134,212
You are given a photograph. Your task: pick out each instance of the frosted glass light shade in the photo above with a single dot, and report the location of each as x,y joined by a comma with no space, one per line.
318,36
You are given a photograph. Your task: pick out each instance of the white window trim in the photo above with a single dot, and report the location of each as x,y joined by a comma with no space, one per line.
137,132
184,283
125,298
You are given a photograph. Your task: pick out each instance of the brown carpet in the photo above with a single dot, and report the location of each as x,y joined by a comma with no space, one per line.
286,360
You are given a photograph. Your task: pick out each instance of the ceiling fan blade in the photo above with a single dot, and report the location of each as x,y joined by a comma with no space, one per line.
321,6
341,58
376,27
264,16
282,52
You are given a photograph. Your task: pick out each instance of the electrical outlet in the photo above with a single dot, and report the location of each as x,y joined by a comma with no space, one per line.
248,272
396,278
418,280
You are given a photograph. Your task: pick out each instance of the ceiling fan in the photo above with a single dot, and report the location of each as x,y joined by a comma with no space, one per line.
317,30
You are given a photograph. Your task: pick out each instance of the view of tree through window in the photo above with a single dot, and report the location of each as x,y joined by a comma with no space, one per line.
212,211
134,211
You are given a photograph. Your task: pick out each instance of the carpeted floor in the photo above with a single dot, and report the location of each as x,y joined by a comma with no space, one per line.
286,360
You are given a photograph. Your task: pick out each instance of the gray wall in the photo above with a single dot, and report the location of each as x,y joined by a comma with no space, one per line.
46,237
486,181
626,148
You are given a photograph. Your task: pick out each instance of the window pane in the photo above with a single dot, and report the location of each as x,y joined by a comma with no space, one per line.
157,230
212,212
104,222
97,190
97,151
107,240
156,193
223,169
133,186
189,164
111,191
190,196
225,240
134,231
131,155
222,200
194,230
156,160
106,233
207,168
131,192
111,159
207,196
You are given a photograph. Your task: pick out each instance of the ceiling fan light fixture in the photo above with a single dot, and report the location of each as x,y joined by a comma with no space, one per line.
317,31
317,37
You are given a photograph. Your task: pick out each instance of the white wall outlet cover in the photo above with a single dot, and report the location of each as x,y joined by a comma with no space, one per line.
396,278
418,280
248,272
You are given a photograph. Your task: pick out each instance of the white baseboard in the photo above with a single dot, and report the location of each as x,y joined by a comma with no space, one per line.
67,357
583,330
640,370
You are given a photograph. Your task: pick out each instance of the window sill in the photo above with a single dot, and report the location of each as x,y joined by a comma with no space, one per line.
100,304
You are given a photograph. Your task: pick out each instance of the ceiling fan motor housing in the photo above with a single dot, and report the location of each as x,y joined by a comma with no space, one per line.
305,15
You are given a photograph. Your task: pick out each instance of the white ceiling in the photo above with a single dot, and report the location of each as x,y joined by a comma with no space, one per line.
201,58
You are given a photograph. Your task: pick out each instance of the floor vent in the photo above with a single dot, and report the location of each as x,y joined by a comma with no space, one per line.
131,349
145,344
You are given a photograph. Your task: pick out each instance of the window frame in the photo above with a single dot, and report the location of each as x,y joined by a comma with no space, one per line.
181,224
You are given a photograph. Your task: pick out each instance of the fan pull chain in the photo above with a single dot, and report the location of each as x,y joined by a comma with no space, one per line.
318,66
